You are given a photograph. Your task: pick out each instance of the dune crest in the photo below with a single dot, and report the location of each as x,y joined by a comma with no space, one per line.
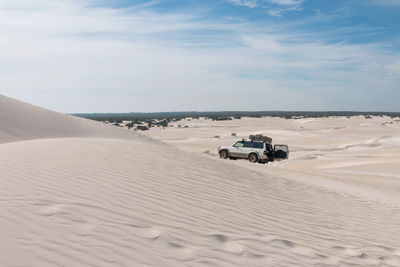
22,121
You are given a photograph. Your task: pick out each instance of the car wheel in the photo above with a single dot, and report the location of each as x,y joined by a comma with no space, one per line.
253,158
223,154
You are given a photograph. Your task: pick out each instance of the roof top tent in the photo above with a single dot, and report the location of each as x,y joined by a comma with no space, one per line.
259,137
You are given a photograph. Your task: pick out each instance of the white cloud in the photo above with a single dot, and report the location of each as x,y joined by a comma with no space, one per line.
258,3
286,2
279,6
71,57
264,43
274,12
246,3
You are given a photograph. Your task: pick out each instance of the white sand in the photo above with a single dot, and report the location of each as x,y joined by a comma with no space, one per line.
354,155
77,193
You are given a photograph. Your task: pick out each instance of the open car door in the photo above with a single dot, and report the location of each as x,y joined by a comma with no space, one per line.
281,152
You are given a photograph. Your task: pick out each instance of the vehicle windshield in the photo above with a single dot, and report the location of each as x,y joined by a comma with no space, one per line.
239,144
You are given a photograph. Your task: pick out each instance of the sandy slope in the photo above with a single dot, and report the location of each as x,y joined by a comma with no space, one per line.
79,201
22,121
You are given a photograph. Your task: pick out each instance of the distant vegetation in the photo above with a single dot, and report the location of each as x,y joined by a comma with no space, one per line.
144,121
221,115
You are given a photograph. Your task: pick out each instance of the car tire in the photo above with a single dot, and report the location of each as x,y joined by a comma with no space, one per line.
253,158
223,154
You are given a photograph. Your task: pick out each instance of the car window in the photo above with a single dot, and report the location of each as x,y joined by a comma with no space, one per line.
248,144
253,144
258,145
238,144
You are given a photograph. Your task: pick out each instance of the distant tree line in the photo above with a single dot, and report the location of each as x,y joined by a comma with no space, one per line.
163,118
144,121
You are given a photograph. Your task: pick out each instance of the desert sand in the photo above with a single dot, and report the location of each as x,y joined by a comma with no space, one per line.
80,193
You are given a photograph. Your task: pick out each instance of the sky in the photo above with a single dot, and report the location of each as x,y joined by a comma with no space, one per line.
201,55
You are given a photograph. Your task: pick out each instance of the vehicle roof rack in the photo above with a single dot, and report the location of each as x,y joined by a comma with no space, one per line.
260,137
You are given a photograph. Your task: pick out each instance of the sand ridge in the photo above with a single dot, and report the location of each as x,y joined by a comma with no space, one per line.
23,121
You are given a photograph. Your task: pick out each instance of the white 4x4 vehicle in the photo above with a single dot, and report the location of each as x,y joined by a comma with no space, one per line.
257,149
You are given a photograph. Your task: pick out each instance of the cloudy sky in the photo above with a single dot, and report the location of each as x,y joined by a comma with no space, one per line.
185,55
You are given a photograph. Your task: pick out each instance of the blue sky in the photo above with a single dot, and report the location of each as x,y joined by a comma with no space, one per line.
170,55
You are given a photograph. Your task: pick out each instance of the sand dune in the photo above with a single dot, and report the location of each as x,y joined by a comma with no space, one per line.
77,194
22,121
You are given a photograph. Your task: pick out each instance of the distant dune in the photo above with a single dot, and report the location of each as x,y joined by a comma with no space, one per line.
80,193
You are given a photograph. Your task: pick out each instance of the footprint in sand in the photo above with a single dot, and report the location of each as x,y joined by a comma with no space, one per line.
295,248
147,232
181,252
281,243
220,238
339,247
83,229
234,248
228,245
50,210
354,252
